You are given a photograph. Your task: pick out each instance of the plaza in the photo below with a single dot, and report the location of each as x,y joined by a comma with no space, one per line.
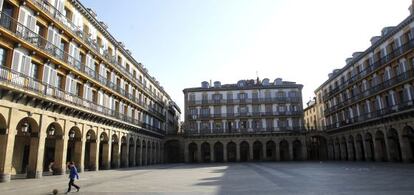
235,178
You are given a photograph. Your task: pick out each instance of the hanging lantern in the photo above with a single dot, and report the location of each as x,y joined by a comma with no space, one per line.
71,134
25,127
88,136
51,130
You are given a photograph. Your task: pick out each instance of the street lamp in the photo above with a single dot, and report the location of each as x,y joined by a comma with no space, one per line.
25,127
113,139
71,134
88,136
51,130
102,138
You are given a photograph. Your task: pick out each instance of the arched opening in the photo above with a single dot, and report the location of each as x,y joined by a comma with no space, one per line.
271,151
205,152
360,150
114,152
318,148
257,150
131,152
25,149
331,150
103,151
192,152
369,144
3,140
172,151
394,145
337,150
351,148
124,152
244,151
231,152
381,148
284,150
138,153
408,139
344,149
154,154
90,151
297,150
52,157
218,152
149,152
144,152
74,150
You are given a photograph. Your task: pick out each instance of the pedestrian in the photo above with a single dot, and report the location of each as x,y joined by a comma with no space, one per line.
72,175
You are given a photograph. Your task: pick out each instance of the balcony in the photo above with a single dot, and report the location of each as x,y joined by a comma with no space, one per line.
372,91
371,116
34,40
396,53
69,26
242,115
30,85
246,101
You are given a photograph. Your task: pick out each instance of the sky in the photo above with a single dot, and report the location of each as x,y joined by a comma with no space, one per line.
185,42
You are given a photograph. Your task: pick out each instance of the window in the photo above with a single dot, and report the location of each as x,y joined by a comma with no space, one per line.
205,111
34,72
243,109
242,96
217,97
243,124
3,56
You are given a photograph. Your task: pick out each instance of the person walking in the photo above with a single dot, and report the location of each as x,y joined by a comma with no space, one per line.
72,175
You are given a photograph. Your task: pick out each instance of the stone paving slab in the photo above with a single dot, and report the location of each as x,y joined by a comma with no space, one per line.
234,178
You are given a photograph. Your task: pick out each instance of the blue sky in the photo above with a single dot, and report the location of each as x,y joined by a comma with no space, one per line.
184,42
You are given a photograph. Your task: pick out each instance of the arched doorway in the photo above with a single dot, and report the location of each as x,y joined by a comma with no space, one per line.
172,151
74,150
192,152
257,150
114,152
331,149
138,158
369,144
244,151
103,151
297,150
408,139
90,151
271,151
25,148
381,149
337,150
284,150
205,152
351,148
218,152
231,152
3,143
318,148
124,152
344,149
53,150
144,152
360,150
394,145
131,158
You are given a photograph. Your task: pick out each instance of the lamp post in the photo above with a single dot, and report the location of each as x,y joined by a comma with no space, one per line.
25,127
51,130
71,134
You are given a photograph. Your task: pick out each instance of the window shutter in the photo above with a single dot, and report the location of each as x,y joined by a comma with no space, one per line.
16,60
68,84
31,20
53,77
73,86
85,91
46,71
50,34
22,16
26,65
1,4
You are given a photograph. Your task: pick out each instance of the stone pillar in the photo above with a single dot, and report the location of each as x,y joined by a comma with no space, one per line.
80,154
358,152
404,145
212,155
237,152
95,153
186,155
141,162
38,154
199,155
291,151
250,152
304,150
225,152
277,150
133,154
7,153
264,151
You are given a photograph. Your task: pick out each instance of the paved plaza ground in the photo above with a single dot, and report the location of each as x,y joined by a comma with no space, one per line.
235,178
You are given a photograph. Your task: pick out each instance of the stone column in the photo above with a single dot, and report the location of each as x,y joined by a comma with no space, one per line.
250,152
405,150
358,152
133,153
199,155
264,152
224,152
35,166
186,155
212,155
238,152
80,154
95,153
277,150
304,150
140,153
291,151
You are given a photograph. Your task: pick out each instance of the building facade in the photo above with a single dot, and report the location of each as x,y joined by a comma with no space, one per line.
368,104
250,120
69,91
310,115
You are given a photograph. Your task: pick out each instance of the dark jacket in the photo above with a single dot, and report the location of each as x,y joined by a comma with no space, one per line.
73,173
